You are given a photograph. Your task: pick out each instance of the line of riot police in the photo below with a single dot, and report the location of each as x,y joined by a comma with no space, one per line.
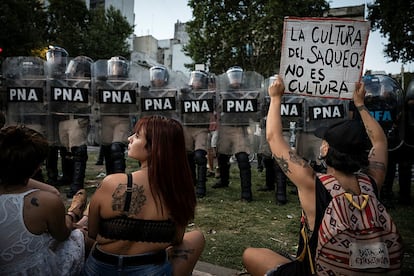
77,102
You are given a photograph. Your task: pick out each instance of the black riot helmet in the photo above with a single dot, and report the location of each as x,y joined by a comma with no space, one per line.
198,79
158,76
57,59
79,67
235,76
382,90
118,67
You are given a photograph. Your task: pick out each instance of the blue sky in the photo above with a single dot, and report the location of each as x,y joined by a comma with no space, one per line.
157,18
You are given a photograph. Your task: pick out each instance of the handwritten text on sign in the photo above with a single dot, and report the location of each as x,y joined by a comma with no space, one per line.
323,56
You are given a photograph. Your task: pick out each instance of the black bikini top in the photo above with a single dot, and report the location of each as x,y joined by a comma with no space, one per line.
139,230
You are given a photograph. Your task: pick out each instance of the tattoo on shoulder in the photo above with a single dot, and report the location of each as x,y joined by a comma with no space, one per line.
138,198
34,201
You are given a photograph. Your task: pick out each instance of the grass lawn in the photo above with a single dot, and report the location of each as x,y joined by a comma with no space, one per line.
230,225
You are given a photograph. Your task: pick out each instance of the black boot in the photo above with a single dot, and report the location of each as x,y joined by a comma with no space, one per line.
224,168
118,157
52,166
281,182
191,163
245,176
270,173
67,167
80,156
101,157
201,162
106,151
260,162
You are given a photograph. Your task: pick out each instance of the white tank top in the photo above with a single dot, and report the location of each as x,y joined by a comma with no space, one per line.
24,253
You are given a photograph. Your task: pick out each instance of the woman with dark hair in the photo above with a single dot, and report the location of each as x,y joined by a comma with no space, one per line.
37,234
139,219
344,151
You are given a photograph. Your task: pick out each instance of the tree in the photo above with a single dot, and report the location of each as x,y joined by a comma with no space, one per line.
107,34
68,23
247,33
395,21
22,27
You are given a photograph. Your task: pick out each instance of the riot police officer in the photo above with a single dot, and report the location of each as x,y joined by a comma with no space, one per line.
25,94
69,87
160,97
117,103
197,107
238,107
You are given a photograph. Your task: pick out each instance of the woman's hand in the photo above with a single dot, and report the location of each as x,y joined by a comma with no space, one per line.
277,88
359,94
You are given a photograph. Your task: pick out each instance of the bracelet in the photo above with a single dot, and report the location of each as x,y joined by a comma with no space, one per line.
71,214
361,107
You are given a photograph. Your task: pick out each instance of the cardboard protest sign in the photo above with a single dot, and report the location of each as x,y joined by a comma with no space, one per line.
323,57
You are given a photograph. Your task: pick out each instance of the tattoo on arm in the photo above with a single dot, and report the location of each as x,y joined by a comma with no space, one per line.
283,164
377,165
362,107
34,201
138,199
181,253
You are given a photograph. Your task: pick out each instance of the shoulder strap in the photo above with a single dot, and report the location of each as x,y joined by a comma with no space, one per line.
128,193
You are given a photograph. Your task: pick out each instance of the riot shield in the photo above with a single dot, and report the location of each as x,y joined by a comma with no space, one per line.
69,97
240,106
384,100
239,113
115,89
163,100
25,84
116,99
196,106
319,112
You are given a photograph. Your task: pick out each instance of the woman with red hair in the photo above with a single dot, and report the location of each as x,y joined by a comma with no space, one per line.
139,219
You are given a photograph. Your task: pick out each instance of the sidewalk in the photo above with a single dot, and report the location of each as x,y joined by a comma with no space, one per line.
207,269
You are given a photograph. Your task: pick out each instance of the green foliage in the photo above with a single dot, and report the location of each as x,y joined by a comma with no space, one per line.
68,22
27,28
247,33
22,27
395,21
107,34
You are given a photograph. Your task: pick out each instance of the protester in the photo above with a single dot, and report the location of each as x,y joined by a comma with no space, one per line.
343,150
37,234
139,220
